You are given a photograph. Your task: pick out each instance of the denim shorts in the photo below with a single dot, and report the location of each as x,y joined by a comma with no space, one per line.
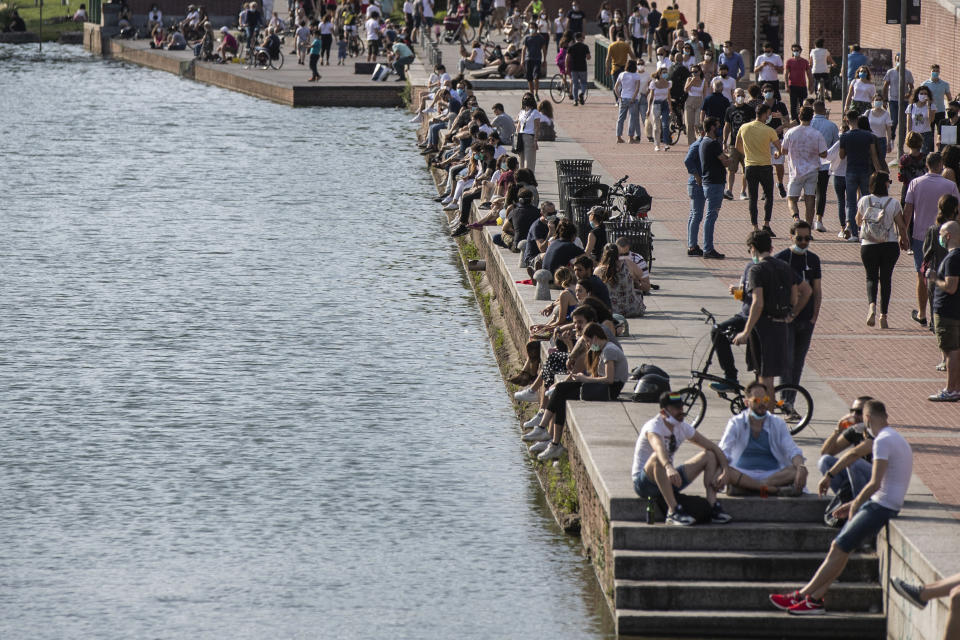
646,487
863,526
917,246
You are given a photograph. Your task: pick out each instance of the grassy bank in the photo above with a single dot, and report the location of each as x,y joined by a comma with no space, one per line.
56,17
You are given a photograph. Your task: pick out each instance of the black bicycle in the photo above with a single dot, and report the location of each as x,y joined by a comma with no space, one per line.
676,121
791,401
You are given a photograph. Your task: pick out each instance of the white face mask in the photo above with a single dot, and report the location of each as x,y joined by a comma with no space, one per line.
922,97
739,99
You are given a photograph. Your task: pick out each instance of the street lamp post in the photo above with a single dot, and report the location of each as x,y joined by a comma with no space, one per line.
902,72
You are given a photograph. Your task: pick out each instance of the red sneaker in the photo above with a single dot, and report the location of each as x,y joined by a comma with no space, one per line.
808,606
784,601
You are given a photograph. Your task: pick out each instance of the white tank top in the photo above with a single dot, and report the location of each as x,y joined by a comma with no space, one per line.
819,60
696,90
658,92
863,91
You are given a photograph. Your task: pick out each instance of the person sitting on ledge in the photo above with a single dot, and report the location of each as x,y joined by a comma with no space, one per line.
16,22
158,37
849,433
583,269
81,14
654,474
642,283
176,41
764,458
562,250
619,276
610,372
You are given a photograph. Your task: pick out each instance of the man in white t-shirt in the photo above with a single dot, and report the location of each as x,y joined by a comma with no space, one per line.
372,26
428,18
869,512
768,68
654,475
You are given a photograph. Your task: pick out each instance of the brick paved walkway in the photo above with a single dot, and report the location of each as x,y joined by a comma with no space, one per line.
896,365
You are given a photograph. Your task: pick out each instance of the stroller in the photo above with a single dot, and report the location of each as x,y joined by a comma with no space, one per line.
456,27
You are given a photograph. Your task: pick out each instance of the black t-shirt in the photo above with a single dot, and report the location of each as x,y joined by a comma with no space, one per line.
534,45
856,145
576,21
600,241
678,76
737,116
578,56
778,113
944,304
653,19
600,290
539,230
711,168
559,254
807,266
17,24
768,275
716,105
522,218
254,19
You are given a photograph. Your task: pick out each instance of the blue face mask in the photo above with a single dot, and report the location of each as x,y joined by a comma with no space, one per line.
595,348
757,416
863,75
798,250
943,242
934,75
755,259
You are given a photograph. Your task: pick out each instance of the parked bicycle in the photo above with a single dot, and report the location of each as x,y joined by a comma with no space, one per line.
791,401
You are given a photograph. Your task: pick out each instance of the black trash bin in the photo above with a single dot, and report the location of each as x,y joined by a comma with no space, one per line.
572,184
637,231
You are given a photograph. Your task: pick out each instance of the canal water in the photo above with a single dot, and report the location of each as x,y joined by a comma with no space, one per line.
244,389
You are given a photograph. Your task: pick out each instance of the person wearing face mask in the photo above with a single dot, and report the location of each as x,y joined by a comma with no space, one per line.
709,64
753,141
659,109
804,148
736,116
895,97
654,474
768,68
653,22
729,84
609,368
831,134
881,126
869,512
763,456
776,119
861,92
806,264
920,115
637,25
797,78
934,253
949,127
575,19
695,86
528,129
820,63
733,60
619,53
848,433
939,89
617,27
713,163
688,58
946,309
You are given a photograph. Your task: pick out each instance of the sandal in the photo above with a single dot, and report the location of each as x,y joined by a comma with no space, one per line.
916,318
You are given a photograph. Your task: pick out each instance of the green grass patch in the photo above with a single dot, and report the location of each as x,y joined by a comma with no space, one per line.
562,488
53,17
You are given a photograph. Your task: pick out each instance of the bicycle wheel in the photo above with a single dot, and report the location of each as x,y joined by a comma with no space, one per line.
794,404
675,130
694,405
467,32
558,90
278,63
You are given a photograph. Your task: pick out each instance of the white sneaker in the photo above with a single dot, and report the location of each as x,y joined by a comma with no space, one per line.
446,201
534,421
841,236
549,392
453,206
417,118
540,447
552,451
526,395
538,434
818,226
744,196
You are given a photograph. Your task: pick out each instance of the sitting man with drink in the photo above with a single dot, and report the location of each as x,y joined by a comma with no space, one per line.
654,474
849,433
763,456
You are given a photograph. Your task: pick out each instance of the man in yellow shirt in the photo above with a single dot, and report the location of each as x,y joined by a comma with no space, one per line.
618,53
753,141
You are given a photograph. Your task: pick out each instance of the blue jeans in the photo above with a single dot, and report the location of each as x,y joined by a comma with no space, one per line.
855,477
714,196
927,142
433,138
858,185
882,149
894,117
579,81
661,108
633,107
697,202
646,487
840,188
863,526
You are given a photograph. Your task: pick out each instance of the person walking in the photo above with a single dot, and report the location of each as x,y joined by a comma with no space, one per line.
753,141
694,88
831,134
860,92
637,24
618,53
576,63
768,68
315,48
528,128
713,162
627,92
881,125
855,60
921,206
326,29
883,233
920,115
737,114
820,63
858,147
659,109
804,148
797,77
934,253
946,310
733,60
939,89
895,97
532,59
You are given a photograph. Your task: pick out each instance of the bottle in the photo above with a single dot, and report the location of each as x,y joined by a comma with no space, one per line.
650,519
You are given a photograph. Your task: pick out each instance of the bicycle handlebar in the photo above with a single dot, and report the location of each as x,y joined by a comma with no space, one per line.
710,316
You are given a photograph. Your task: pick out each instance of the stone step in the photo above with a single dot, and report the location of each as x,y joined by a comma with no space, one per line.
735,566
807,508
733,536
675,595
751,624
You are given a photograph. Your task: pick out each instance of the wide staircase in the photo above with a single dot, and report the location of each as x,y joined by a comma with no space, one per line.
713,580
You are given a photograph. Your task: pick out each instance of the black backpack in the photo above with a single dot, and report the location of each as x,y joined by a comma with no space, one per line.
776,301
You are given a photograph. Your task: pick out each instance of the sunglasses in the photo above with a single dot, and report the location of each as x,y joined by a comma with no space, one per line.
764,399
852,410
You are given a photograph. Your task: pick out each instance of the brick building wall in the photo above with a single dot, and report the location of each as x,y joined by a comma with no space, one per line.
821,19
934,40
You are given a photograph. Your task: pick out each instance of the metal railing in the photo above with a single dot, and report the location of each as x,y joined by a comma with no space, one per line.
601,70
